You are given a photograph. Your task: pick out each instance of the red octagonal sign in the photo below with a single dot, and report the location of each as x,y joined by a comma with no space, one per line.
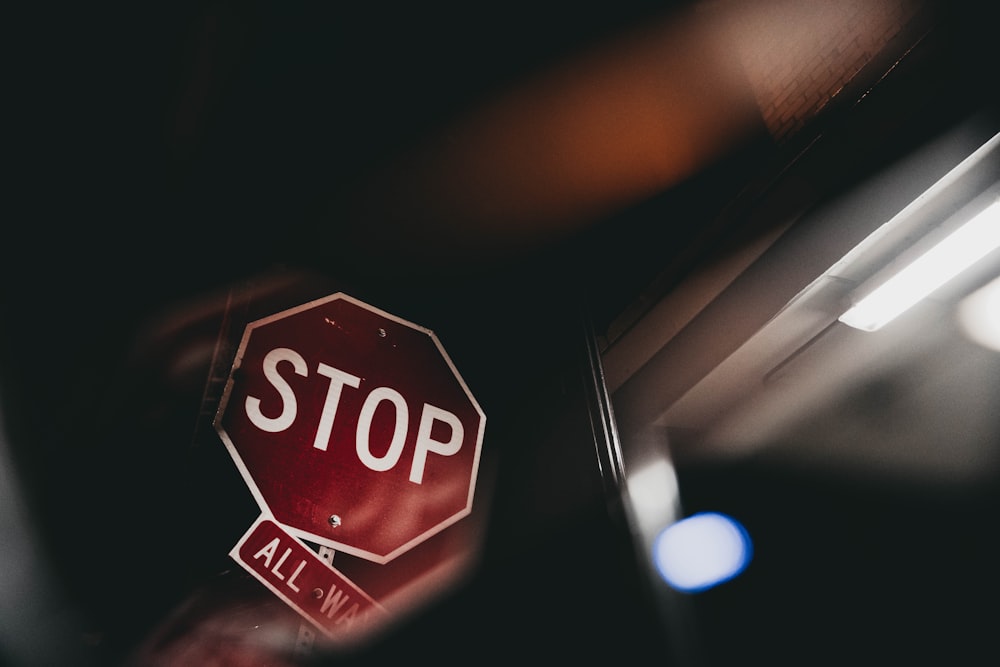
352,427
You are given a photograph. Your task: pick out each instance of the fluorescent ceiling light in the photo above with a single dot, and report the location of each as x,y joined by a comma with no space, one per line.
955,253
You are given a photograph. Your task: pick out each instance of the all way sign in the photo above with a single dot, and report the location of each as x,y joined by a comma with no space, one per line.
354,432
297,575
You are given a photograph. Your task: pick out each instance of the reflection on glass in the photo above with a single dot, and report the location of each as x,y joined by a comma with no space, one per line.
702,551
979,315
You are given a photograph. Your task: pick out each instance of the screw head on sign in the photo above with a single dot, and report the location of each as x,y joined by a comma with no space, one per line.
334,520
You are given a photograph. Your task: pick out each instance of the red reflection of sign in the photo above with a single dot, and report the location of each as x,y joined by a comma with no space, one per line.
352,427
302,579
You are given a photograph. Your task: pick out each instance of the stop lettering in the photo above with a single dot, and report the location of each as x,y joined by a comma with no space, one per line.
352,427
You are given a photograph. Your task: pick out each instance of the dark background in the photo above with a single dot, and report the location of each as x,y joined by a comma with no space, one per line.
165,152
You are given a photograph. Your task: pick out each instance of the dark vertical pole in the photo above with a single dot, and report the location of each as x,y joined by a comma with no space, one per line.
641,487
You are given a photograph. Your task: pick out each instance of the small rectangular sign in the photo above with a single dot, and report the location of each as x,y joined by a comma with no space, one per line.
297,575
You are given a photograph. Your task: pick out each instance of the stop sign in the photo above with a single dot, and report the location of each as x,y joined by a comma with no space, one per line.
352,427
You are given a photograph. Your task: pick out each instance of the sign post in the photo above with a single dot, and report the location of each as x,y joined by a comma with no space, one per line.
355,432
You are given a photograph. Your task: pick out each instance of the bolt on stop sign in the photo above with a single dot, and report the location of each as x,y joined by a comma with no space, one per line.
352,427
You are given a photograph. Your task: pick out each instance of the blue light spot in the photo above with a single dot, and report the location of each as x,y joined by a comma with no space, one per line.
701,551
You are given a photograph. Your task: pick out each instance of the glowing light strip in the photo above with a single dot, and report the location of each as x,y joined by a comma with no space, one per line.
955,253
